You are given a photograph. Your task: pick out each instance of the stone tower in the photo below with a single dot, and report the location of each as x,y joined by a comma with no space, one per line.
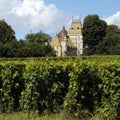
75,33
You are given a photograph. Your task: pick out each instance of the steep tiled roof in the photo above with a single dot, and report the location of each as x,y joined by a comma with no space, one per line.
60,36
55,42
62,33
75,28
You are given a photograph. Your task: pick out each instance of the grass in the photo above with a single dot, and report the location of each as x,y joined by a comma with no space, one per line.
34,116
57,116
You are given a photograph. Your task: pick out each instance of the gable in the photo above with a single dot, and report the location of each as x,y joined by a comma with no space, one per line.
75,28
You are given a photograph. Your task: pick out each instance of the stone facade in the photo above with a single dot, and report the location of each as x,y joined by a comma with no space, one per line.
69,43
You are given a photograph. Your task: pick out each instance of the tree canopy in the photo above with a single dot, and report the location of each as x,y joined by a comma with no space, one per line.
38,44
7,34
39,37
94,30
111,42
34,45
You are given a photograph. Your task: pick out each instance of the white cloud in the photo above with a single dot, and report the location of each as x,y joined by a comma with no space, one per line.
114,19
26,15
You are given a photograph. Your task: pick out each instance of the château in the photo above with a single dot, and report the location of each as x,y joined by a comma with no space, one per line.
69,43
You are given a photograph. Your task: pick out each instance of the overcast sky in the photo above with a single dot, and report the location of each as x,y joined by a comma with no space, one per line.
26,16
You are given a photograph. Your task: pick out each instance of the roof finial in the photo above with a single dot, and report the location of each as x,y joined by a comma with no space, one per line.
72,18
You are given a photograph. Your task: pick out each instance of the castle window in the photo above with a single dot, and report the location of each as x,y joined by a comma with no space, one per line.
72,28
78,28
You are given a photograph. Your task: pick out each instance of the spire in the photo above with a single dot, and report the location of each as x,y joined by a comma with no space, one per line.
72,18
64,28
62,33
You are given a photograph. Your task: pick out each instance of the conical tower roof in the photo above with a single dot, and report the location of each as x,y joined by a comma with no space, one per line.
62,34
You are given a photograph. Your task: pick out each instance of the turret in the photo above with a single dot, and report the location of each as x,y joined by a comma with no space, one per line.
75,33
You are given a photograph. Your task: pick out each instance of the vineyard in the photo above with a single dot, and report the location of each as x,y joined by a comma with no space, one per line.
85,85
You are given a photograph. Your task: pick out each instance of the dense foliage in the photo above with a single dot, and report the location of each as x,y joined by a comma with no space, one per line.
93,31
111,42
34,45
74,84
100,38
7,34
38,37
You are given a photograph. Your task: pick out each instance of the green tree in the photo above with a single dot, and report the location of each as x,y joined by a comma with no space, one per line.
39,37
111,42
112,29
94,29
35,45
7,34
5,50
38,44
